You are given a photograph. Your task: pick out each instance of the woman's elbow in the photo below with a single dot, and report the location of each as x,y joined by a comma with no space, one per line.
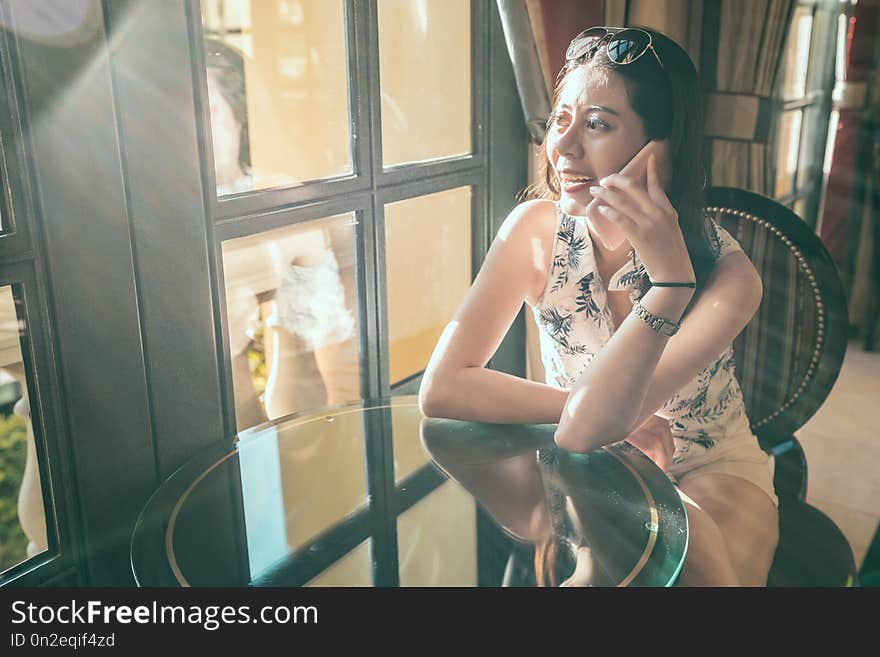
431,402
573,443
585,442
563,441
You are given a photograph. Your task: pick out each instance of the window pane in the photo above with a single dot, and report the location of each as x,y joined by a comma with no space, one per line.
425,77
797,54
278,92
787,153
22,515
840,55
811,156
291,300
428,272
833,121
822,48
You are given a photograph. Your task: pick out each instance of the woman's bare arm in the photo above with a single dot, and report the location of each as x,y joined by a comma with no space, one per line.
456,383
638,370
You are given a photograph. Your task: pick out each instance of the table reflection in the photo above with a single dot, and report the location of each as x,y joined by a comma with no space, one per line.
374,494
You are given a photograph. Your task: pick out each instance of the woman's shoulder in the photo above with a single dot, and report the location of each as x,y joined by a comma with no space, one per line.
529,218
530,229
735,279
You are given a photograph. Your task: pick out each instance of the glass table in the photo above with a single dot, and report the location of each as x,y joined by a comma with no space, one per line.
374,494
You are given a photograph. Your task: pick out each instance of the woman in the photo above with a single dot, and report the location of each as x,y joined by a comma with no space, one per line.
291,279
646,357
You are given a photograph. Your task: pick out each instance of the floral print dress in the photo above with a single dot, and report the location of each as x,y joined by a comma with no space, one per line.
574,322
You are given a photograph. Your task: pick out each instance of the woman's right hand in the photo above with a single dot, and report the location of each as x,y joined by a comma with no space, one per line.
648,219
654,438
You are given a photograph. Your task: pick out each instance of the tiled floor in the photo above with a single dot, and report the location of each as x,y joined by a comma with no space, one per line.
842,446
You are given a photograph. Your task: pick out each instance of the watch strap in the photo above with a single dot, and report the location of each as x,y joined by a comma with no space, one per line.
659,324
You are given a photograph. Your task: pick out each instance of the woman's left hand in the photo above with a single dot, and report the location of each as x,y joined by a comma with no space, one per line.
648,219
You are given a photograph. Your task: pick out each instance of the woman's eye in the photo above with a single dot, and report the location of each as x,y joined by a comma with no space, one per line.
558,119
594,122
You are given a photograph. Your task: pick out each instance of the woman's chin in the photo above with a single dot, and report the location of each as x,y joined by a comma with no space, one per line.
574,206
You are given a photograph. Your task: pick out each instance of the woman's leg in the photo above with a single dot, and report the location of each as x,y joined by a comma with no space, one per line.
707,562
747,520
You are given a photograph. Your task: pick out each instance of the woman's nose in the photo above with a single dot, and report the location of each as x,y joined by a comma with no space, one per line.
568,143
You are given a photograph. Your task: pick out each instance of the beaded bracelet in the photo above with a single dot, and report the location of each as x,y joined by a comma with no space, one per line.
693,285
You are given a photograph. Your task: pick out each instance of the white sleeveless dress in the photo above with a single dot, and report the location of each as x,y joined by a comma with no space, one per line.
707,416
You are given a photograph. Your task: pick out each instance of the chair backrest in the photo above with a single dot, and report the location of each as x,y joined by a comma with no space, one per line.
789,356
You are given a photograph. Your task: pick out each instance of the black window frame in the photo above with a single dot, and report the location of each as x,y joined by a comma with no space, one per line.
365,192
24,268
815,106
128,398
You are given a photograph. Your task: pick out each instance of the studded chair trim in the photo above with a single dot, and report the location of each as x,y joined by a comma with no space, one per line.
822,303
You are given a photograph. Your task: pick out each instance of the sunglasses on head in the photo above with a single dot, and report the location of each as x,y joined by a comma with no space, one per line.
623,45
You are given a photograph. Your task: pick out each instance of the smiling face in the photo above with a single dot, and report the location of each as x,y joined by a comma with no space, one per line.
594,132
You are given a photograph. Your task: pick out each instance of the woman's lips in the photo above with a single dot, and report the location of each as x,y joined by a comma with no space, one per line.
574,187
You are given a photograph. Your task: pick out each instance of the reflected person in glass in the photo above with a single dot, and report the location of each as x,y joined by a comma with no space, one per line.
556,508
289,284
637,296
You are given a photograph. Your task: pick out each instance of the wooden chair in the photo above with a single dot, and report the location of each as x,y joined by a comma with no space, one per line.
787,360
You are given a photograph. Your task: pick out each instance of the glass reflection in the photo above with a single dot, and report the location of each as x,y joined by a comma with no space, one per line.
278,92
408,453
22,515
437,540
229,124
310,487
354,569
291,299
576,519
299,479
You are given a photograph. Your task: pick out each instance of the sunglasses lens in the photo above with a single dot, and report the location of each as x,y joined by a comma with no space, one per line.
584,41
627,46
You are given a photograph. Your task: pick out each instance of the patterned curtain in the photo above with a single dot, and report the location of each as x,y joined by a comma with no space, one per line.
681,20
742,52
555,24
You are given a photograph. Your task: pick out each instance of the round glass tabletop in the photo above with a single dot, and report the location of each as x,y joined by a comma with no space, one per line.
374,494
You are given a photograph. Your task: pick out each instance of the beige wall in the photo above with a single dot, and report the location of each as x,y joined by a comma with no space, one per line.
297,88
428,272
425,65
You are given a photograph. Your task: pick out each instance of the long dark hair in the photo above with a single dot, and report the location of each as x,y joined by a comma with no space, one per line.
669,102
228,64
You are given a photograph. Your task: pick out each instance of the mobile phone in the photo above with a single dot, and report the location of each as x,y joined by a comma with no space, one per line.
637,169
